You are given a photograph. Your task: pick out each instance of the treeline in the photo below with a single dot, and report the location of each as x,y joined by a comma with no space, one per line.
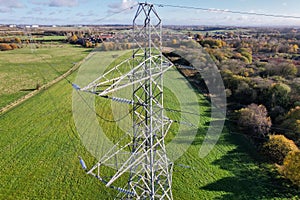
262,81
100,44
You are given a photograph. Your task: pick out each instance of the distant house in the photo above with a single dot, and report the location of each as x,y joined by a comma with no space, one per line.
34,26
12,26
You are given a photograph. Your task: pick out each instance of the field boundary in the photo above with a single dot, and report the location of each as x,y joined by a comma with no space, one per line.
44,87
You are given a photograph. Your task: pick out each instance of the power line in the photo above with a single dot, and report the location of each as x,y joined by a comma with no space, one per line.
229,11
118,12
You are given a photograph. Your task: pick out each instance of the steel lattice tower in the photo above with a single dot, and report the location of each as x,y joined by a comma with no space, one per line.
150,126
148,169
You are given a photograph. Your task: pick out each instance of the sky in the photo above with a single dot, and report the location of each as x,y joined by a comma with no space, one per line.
65,12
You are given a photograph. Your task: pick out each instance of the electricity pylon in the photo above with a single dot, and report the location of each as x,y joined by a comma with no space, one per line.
143,159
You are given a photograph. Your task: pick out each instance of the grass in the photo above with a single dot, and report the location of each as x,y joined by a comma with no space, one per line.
39,147
47,38
22,70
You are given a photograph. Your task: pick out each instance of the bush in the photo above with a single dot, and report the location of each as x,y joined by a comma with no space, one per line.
278,147
18,40
291,167
14,46
5,47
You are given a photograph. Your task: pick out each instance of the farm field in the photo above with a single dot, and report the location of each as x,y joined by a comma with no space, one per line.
39,147
23,70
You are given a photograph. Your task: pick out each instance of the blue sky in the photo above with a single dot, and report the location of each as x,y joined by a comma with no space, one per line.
60,12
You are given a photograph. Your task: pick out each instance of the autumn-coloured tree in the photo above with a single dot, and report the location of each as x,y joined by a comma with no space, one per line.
14,46
174,41
254,120
285,69
246,53
88,44
291,124
73,39
278,147
212,43
291,167
295,48
18,40
279,95
5,47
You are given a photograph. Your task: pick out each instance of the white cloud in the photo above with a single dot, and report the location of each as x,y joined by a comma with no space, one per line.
8,6
56,3
5,10
115,7
63,3
37,9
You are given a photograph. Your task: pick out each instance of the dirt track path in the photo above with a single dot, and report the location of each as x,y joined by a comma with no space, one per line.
44,87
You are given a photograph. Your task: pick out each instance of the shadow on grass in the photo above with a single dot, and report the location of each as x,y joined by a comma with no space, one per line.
27,90
251,178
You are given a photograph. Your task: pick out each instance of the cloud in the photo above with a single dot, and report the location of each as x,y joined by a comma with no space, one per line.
115,7
45,20
8,6
86,14
5,10
37,2
56,3
52,13
36,10
63,3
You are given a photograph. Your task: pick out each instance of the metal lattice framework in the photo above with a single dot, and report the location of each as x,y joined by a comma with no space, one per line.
143,159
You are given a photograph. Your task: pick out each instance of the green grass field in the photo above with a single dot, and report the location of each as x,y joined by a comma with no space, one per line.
21,70
39,147
55,37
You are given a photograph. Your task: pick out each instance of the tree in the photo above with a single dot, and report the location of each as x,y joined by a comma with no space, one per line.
278,147
291,124
5,47
244,93
88,44
73,39
212,43
254,120
288,69
284,48
284,69
291,167
18,40
279,95
14,46
247,53
295,48
174,41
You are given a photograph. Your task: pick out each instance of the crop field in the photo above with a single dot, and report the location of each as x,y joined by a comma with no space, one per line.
23,70
39,145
